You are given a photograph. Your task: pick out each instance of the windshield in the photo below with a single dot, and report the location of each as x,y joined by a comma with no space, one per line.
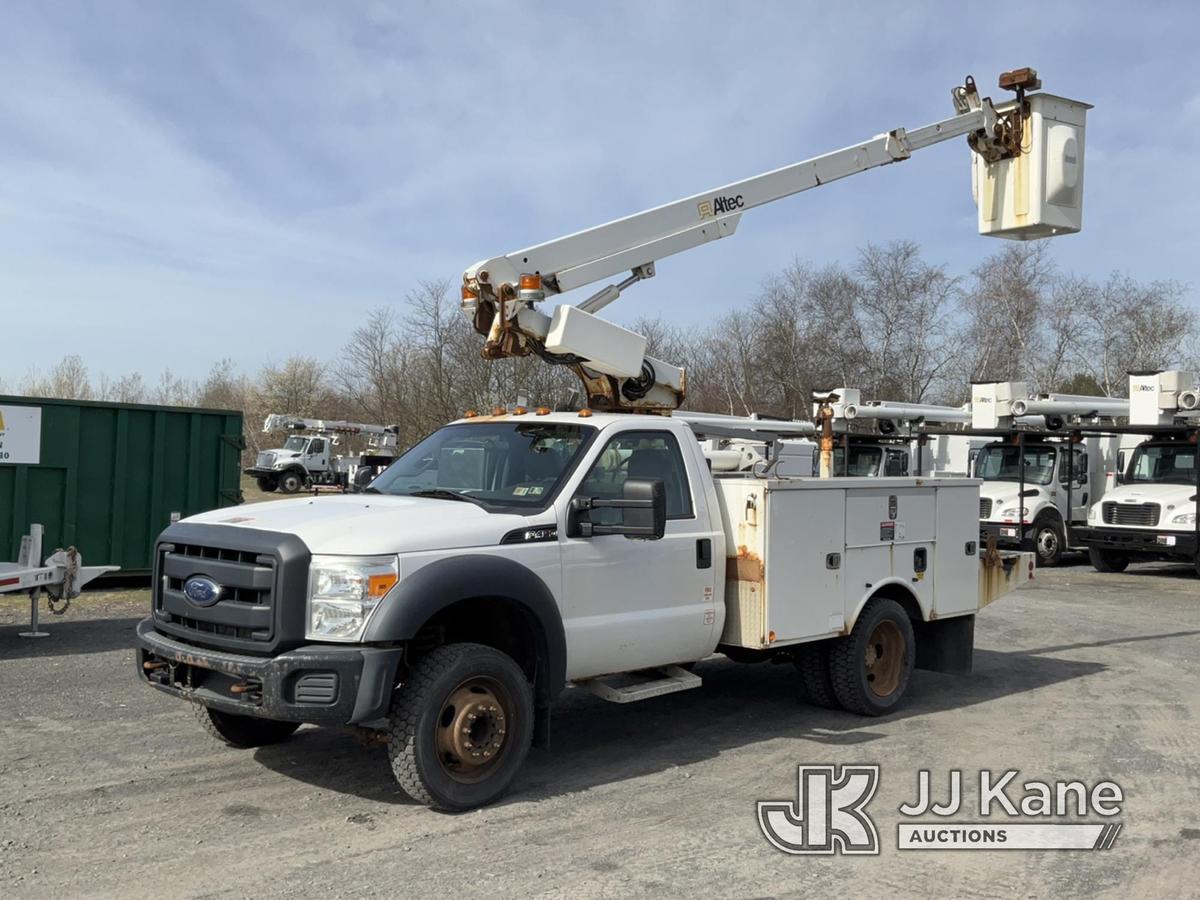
295,443
864,462
1000,462
495,463
1163,463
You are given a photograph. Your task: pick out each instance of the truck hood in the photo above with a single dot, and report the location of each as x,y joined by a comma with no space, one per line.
362,524
1003,494
1178,496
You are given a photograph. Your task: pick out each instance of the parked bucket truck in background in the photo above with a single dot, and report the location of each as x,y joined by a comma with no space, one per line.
308,459
1030,484
507,556
1151,512
894,448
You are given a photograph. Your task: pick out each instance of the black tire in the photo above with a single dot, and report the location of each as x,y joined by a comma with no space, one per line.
242,731
1048,541
290,482
267,485
1107,560
431,761
871,666
812,664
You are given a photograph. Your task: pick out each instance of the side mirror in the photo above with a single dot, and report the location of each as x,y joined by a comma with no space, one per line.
643,509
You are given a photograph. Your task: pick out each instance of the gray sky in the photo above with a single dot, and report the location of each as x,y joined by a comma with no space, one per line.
181,182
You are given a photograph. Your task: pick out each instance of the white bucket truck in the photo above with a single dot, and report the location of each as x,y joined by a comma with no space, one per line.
1151,512
507,556
1041,475
307,456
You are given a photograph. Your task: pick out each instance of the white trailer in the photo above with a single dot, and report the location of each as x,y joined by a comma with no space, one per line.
61,576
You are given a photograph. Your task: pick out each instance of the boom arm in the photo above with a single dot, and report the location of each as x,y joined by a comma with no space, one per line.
500,293
278,422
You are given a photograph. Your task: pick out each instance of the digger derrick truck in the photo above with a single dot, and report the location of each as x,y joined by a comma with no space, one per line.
511,554
307,456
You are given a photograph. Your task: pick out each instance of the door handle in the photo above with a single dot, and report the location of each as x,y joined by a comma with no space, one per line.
704,553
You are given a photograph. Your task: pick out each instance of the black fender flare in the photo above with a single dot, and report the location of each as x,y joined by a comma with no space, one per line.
432,588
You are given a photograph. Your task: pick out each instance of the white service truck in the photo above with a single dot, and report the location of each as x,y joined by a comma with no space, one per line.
308,458
1043,472
895,447
507,556
1151,512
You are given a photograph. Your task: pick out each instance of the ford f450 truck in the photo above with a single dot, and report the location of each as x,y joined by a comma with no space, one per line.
505,557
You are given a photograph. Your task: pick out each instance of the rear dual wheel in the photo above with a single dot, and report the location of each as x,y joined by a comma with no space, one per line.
867,671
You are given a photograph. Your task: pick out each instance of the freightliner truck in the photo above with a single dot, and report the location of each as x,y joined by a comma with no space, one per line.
511,555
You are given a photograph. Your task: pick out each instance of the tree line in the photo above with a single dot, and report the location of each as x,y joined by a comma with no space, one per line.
891,323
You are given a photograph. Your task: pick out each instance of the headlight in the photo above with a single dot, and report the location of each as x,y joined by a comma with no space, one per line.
1011,512
1092,514
343,591
1184,519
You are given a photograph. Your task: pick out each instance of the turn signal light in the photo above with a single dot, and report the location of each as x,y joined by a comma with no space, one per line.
378,585
499,411
543,410
585,413
531,282
519,410
470,414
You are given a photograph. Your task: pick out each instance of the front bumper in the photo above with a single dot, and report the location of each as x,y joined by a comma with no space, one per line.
1007,534
261,472
317,683
1142,541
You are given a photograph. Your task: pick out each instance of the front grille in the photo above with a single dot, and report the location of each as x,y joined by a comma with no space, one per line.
985,508
1130,513
266,459
244,608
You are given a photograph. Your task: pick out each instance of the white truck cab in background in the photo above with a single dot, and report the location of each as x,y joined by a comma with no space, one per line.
1038,485
1151,512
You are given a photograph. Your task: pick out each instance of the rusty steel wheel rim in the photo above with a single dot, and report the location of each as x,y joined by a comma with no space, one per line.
472,729
884,660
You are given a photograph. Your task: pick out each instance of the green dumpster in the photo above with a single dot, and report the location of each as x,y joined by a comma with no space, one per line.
107,477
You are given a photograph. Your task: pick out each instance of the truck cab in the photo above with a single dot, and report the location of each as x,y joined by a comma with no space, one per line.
1151,512
1048,481
300,461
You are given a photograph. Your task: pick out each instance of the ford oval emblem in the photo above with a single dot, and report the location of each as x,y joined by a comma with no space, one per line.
201,591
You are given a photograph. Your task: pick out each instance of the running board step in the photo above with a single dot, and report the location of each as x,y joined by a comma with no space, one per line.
630,687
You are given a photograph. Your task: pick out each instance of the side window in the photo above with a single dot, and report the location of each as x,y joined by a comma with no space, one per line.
897,463
638,454
317,446
1078,467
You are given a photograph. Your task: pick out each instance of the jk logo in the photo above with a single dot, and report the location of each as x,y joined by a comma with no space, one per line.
827,815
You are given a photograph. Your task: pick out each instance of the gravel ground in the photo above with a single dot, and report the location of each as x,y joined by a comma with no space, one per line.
110,788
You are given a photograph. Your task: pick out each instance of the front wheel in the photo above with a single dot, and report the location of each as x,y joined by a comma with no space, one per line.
871,666
1049,541
290,482
266,485
1107,560
461,726
242,731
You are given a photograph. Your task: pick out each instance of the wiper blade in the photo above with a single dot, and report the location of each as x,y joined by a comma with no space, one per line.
443,494
370,490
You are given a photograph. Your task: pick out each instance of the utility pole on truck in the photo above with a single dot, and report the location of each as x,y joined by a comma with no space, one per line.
1027,181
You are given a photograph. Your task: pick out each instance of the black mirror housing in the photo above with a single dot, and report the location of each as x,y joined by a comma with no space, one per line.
643,508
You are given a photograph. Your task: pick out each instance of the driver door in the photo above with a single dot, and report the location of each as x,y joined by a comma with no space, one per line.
632,603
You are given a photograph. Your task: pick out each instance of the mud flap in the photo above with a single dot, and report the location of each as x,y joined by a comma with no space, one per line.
946,645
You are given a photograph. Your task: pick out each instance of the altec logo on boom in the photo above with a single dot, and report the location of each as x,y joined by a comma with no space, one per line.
718,206
829,814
